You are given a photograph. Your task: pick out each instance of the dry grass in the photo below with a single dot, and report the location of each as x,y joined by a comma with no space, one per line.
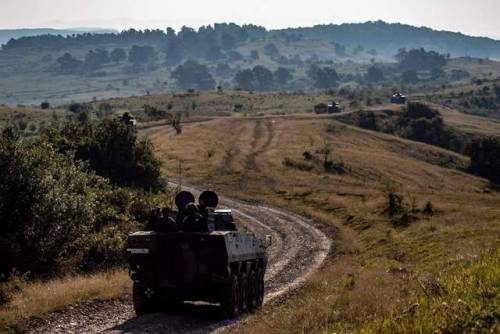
35,116
222,104
40,298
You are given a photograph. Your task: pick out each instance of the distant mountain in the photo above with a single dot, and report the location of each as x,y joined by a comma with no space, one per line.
387,38
7,34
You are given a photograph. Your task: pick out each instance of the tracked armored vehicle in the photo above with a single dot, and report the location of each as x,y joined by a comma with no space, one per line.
196,254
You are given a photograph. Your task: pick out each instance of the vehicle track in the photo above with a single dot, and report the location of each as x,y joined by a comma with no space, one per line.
298,250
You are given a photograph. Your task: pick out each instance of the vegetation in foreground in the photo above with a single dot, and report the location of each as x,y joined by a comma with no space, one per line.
68,200
36,299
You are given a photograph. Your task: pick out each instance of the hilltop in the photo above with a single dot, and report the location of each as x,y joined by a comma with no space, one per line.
7,34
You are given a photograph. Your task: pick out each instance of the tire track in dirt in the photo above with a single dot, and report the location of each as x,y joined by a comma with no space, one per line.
259,133
298,250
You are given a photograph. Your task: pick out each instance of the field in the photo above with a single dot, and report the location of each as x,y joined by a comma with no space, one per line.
379,259
411,229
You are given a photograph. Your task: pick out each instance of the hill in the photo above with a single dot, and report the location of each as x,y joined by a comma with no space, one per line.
65,68
381,263
7,34
387,38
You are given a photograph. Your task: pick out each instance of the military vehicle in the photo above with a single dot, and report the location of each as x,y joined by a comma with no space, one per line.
323,108
398,98
128,119
195,253
334,108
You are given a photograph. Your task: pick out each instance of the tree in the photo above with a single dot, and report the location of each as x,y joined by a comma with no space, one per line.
254,55
45,105
245,80
68,64
142,54
263,78
282,76
271,50
420,60
374,74
228,42
192,75
325,77
213,53
78,108
174,51
409,77
112,150
223,70
258,78
485,158
118,55
47,207
96,58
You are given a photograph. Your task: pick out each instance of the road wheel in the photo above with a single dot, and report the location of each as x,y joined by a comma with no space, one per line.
243,293
145,299
230,302
260,287
252,290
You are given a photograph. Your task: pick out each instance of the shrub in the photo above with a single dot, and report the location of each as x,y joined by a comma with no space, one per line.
113,150
485,158
287,162
45,105
417,110
47,207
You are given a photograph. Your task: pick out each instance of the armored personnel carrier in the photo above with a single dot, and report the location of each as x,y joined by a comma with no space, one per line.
195,253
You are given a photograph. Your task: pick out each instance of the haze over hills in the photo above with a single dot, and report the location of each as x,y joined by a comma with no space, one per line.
7,34
385,38
62,66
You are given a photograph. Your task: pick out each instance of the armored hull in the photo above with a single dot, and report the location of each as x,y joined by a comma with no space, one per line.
216,264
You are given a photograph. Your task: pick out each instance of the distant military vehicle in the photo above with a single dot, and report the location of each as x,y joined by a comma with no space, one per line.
196,254
334,108
398,98
323,108
128,119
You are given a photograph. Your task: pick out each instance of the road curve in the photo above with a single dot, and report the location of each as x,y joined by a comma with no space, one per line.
298,250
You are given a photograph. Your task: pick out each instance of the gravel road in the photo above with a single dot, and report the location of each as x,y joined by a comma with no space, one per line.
298,250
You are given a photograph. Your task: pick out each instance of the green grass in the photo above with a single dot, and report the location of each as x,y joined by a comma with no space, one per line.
462,299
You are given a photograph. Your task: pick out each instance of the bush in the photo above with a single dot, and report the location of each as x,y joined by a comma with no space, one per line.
112,150
420,110
287,162
485,158
45,105
47,207
56,215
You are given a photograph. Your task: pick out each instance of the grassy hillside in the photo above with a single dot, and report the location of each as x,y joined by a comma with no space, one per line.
30,120
31,69
381,261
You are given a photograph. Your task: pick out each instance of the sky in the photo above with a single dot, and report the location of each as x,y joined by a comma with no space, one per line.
478,18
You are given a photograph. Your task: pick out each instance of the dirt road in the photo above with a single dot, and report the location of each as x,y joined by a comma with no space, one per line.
297,251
